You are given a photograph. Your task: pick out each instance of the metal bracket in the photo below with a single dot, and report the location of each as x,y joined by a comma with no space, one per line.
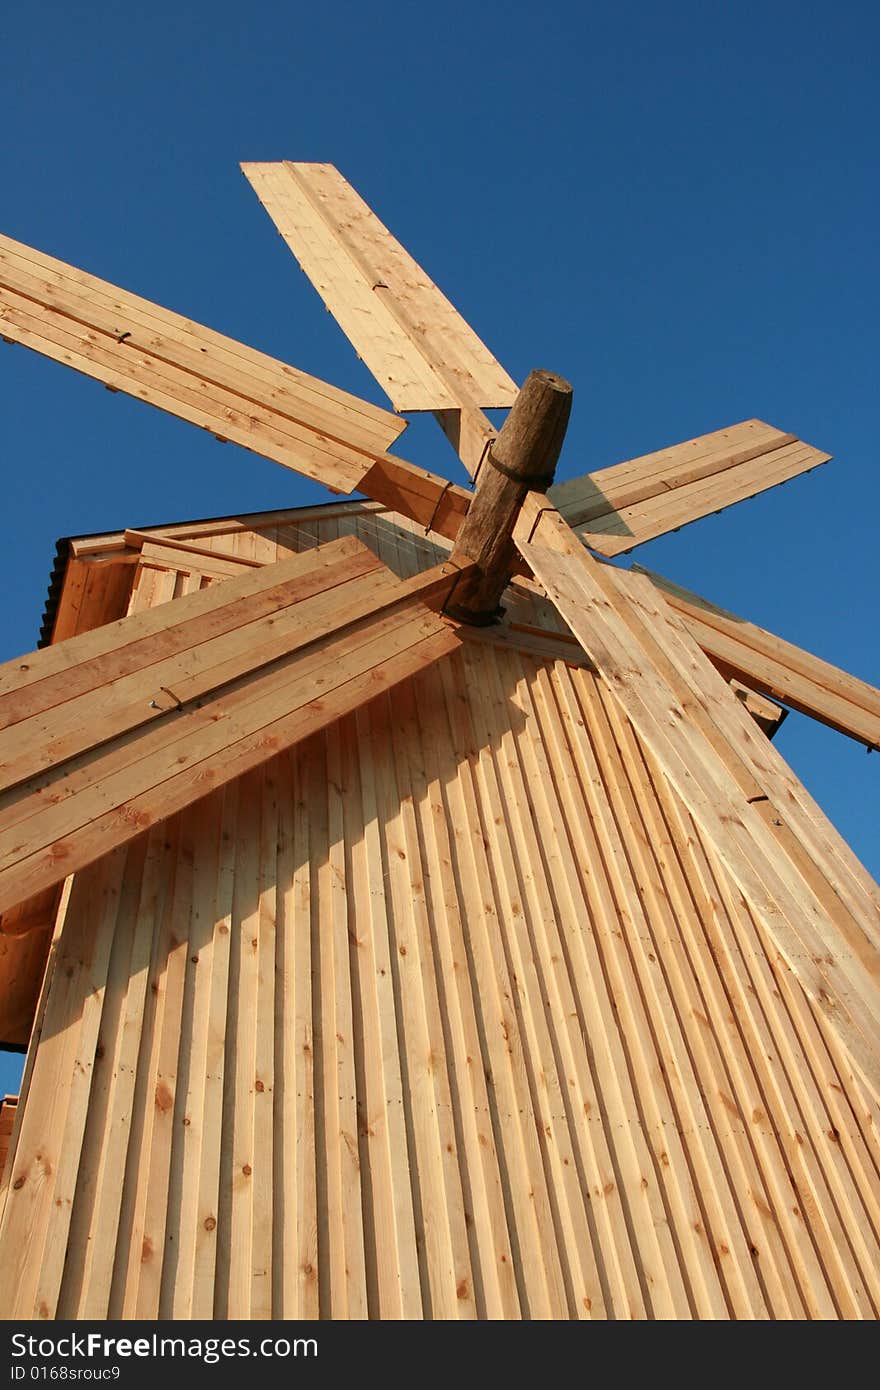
448,597
178,704
443,492
487,445
541,512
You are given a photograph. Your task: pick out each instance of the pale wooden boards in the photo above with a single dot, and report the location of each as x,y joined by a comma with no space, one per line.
693,724
171,362
522,1049
415,343
618,508
104,735
777,668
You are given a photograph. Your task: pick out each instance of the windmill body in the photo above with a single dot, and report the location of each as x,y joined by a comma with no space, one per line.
383,954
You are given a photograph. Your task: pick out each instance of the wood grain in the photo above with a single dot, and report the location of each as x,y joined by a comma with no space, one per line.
615,509
414,342
171,362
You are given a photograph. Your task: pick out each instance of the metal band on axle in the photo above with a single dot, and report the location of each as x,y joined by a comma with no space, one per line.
536,482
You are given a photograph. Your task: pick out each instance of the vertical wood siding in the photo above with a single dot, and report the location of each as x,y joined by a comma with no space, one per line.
450,1012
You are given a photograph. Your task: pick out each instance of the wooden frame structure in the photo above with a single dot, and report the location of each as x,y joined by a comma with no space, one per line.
386,950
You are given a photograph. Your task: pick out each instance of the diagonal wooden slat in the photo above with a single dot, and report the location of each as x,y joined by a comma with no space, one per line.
777,668
618,508
413,340
104,735
688,718
188,370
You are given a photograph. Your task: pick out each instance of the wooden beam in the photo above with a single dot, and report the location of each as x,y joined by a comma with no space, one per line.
776,668
419,348
156,543
413,340
615,509
824,926
523,458
106,734
768,716
186,369
470,433
424,497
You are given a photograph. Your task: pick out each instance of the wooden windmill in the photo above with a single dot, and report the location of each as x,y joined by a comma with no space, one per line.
429,927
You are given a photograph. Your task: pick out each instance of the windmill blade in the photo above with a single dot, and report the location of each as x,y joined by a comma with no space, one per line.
822,919
618,508
777,668
104,734
418,347
190,371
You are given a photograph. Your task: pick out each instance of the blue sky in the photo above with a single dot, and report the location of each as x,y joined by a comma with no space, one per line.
675,206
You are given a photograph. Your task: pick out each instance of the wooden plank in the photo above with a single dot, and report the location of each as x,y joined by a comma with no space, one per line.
720,1135
35,748
110,779
534,922
242,1158
392,1260
615,509
766,713
603,608
777,668
392,657
30,684
651,1170
445,1259
505,1051
848,896
634,480
189,561
432,762
295,1276
87,1272
142,679
218,952
767,1073
180,548
206,529
414,342
186,369
195,1116
424,497
35,1033
38,1207
184,564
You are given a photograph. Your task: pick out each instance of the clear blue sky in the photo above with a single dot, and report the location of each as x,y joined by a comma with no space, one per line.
673,205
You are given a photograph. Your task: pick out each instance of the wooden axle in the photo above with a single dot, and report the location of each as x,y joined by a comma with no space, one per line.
522,459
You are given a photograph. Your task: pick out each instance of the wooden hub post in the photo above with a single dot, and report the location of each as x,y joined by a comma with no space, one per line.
522,459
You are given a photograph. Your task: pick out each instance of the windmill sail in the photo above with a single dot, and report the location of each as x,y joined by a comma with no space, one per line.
618,508
190,371
414,341
376,967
